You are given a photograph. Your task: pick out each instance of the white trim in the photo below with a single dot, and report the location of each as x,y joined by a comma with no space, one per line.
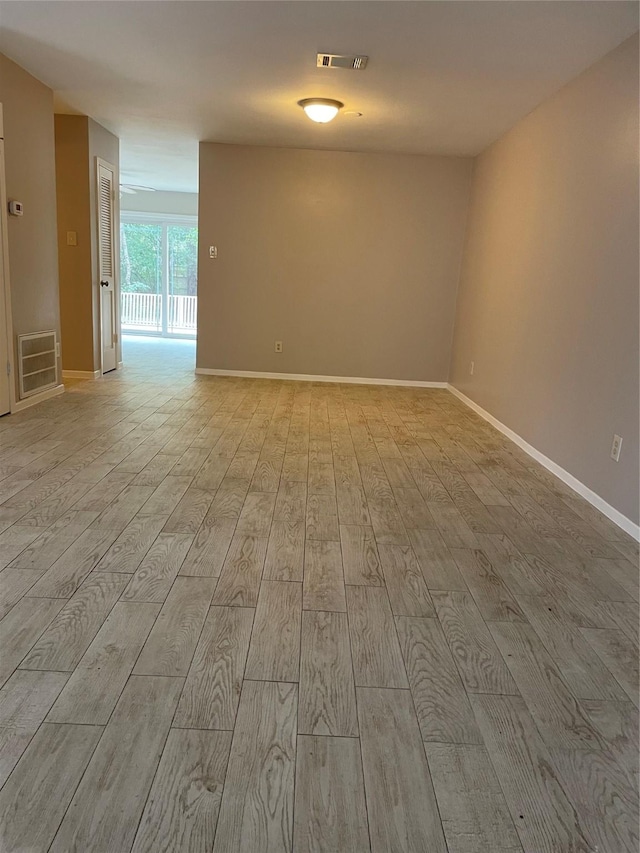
81,374
38,398
311,377
136,217
4,237
594,499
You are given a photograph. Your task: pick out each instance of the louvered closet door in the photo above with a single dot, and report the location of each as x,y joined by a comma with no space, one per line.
107,264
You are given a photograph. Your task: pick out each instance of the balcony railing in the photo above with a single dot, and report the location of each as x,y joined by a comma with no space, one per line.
142,312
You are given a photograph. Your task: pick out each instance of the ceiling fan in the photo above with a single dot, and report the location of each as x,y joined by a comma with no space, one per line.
132,189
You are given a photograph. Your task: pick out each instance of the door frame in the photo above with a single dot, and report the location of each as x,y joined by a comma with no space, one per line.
100,161
4,238
164,220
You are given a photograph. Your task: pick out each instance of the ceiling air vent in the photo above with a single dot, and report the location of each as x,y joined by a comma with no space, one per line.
334,60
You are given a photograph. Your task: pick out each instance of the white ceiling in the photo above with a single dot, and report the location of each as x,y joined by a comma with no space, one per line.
443,77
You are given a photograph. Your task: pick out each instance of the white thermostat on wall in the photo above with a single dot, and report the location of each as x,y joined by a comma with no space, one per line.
16,208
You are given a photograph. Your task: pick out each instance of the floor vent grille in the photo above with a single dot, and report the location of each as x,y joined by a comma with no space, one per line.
37,362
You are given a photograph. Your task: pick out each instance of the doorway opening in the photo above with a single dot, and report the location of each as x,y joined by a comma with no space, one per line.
158,275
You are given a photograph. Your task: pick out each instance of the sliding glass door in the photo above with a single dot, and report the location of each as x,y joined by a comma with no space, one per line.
158,275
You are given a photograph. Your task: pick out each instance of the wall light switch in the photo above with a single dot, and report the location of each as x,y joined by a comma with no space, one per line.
213,252
72,238
472,367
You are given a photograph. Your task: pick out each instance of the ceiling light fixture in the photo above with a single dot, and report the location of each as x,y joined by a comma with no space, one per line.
321,110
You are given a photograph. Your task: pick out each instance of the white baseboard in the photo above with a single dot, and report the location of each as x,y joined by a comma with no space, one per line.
19,405
80,374
312,377
585,492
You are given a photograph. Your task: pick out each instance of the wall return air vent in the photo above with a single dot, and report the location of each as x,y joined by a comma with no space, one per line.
335,60
37,364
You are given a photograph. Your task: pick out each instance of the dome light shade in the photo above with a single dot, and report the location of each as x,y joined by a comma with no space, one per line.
321,110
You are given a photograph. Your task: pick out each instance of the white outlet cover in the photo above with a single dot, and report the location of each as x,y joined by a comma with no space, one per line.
616,447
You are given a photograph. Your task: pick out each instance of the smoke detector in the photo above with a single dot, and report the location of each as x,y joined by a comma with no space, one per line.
336,60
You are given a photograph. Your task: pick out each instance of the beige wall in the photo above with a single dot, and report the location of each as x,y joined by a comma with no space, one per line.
184,204
72,180
79,140
351,260
30,174
548,301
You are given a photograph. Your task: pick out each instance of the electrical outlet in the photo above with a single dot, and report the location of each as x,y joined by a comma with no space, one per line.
472,367
213,252
616,447
278,346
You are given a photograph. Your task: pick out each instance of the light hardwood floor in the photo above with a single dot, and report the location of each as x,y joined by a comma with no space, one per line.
246,615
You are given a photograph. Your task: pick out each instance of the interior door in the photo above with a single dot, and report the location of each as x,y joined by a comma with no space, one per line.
107,265
5,393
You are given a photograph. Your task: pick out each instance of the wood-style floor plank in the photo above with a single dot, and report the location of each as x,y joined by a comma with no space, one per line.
24,702
285,552
199,543
441,702
583,671
323,587
21,628
69,635
239,582
14,583
212,689
262,760
108,803
68,572
477,657
618,654
190,511
492,597
322,518
38,792
396,772
330,810
274,650
327,704
439,569
91,693
131,546
558,715
603,796
170,645
544,817
471,803
207,554
182,810
54,541
154,577
360,558
406,588
377,660
12,543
